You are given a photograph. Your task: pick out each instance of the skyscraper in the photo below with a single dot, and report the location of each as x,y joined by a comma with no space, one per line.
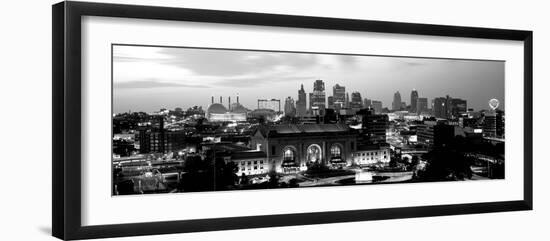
339,96
373,127
290,108
301,108
500,123
458,107
414,99
330,101
377,106
439,107
421,105
396,105
356,101
449,108
339,92
317,99
319,85
490,124
367,103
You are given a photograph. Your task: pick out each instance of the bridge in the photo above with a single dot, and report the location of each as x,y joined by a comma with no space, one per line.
486,158
414,151
494,140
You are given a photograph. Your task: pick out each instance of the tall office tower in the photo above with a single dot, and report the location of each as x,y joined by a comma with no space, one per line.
339,96
439,107
319,85
367,103
373,127
290,108
414,99
330,101
301,106
356,101
421,105
457,107
396,105
449,108
377,106
318,97
500,123
490,124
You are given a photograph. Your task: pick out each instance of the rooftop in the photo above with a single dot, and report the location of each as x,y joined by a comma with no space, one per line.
371,147
285,129
216,108
248,155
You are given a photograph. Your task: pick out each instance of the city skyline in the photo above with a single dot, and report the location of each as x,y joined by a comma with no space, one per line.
266,122
150,78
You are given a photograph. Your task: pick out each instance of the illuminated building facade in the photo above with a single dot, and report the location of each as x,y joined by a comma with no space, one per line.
217,112
370,155
291,148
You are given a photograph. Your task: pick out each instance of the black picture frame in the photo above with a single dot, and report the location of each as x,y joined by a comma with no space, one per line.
66,127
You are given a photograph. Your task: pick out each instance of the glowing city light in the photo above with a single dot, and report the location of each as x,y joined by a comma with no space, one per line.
493,103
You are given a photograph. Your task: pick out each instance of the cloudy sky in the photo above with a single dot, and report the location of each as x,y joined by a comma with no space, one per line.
150,78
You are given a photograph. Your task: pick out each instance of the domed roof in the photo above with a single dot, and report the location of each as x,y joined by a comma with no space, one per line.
216,108
239,109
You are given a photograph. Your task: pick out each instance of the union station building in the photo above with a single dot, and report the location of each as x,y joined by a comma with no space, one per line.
291,148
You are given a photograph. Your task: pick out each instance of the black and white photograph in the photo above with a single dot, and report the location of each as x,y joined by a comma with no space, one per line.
277,120
191,119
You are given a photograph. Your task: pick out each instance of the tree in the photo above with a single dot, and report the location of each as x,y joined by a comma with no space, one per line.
446,164
226,176
415,160
273,179
293,182
393,161
315,169
125,187
198,176
244,179
194,164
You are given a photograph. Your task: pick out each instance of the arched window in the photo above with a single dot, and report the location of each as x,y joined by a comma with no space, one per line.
335,151
314,153
288,155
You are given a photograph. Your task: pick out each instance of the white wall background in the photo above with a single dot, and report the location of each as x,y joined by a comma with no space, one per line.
25,107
